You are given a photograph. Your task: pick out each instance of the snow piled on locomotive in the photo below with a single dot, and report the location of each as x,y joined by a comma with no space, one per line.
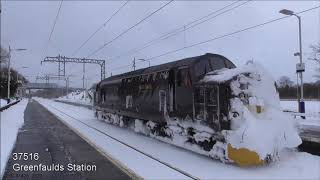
259,128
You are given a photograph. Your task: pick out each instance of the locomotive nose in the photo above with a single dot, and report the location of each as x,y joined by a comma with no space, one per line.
244,156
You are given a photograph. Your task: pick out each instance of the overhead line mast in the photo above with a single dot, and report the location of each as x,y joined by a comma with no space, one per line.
62,60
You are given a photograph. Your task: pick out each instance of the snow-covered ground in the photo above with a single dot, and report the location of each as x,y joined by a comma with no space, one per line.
3,102
291,165
292,105
11,120
312,111
80,97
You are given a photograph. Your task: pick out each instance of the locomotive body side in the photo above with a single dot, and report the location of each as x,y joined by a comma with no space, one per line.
170,102
166,90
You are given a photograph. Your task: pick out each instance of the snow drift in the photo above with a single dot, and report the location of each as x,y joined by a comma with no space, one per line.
81,97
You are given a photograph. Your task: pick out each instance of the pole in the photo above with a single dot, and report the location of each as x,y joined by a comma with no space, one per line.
134,63
184,36
67,86
302,105
9,77
298,98
59,65
84,71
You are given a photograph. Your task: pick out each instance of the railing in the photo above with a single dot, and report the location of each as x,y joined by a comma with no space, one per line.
8,105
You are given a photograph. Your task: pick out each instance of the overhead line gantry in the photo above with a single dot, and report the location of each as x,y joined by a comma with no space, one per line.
62,60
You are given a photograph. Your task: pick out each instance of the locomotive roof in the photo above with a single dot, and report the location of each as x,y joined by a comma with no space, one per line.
179,63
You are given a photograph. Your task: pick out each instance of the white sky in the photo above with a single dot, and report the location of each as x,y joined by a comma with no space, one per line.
27,24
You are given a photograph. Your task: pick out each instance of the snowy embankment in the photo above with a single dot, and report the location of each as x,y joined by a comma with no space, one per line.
77,97
11,120
291,165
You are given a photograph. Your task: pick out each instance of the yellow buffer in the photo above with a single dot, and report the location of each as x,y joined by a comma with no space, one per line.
243,156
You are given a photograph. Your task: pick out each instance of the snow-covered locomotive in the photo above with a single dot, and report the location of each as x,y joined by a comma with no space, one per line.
204,104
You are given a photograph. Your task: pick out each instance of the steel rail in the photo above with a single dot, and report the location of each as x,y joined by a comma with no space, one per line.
125,144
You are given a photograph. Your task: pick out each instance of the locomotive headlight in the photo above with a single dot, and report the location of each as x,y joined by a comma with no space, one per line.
256,105
260,105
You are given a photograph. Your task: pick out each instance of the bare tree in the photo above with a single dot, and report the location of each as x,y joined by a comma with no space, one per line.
4,54
316,57
285,81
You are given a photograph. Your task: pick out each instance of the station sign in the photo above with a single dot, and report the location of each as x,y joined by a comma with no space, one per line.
300,67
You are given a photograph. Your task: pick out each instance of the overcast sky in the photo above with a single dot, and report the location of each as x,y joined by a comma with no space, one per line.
27,24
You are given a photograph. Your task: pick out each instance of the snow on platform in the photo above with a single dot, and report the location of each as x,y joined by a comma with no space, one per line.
292,164
292,105
80,97
3,102
310,126
11,120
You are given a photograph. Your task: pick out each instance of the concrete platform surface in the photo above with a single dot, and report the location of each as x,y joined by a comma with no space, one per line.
52,151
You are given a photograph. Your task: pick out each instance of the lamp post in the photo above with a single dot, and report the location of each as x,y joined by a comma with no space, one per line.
300,67
9,76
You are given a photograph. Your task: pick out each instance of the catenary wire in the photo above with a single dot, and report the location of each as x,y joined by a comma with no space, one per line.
101,27
181,29
45,50
178,30
127,30
232,33
222,36
53,27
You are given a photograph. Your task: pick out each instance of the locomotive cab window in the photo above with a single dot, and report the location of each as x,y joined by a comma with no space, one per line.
211,103
199,103
206,103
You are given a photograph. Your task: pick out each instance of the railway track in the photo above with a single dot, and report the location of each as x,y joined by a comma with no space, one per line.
128,146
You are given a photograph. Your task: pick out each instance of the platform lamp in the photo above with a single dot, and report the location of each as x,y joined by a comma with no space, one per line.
300,67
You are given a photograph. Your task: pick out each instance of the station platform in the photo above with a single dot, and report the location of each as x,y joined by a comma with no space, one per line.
52,151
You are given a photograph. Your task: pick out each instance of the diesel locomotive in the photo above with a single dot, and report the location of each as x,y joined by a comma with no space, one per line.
172,102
